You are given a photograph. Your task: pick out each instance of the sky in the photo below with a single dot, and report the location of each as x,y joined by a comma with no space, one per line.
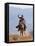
14,11
20,6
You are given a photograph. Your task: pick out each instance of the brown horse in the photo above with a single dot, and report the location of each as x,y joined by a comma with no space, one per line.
21,27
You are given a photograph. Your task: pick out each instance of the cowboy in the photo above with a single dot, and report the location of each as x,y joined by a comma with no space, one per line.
21,19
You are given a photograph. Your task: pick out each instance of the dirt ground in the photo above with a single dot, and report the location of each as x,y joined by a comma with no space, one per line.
25,37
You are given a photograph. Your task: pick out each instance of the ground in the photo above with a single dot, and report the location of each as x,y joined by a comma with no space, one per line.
25,37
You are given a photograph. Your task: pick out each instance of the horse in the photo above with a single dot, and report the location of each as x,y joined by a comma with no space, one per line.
21,27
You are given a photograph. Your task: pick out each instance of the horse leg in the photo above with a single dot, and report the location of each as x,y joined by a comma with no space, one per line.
22,33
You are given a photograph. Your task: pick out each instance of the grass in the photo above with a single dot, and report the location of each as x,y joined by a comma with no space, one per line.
13,38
